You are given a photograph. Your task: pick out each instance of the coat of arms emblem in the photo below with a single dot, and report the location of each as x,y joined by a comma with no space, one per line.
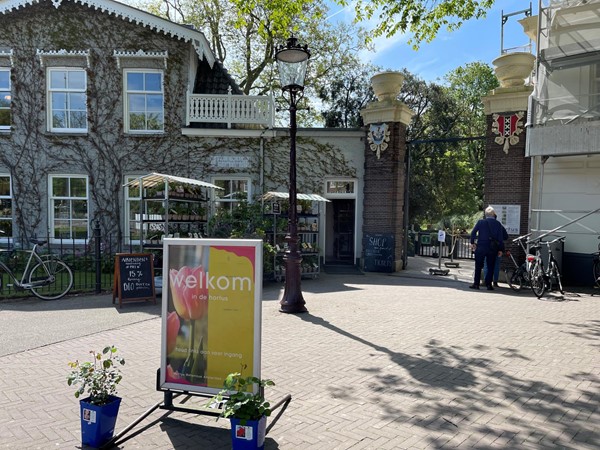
378,137
508,128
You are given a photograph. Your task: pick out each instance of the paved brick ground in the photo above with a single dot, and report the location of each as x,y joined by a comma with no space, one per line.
379,362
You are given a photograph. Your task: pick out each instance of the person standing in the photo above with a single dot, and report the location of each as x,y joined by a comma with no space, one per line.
490,245
498,258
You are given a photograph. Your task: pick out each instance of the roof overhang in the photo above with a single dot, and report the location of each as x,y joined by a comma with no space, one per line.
310,197
154,178
130,14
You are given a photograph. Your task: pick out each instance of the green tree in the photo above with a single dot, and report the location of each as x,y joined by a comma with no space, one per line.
447,176
422,18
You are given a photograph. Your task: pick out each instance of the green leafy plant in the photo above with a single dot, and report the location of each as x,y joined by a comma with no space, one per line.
240,404
97,378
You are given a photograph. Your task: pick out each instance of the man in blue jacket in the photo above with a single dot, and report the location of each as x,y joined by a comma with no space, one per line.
490,244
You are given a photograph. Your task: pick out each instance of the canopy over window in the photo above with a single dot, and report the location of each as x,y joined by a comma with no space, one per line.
310,197
153,179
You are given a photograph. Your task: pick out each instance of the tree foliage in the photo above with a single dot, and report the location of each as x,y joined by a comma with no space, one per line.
447,176
422,18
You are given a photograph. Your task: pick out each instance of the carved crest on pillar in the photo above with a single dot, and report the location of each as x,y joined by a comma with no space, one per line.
378,137
508,128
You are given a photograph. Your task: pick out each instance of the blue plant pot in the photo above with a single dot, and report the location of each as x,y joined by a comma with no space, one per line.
98,422
250,436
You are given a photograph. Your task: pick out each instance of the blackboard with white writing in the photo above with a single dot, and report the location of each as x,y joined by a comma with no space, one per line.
379,252
134,277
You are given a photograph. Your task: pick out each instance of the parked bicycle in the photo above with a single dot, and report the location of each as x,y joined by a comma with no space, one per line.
46,276
517,276
545,278
596,266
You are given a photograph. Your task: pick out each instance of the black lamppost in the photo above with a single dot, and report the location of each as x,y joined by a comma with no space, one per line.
292,60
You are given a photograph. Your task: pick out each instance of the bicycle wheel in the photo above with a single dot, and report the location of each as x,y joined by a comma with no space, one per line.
538,284
596,269
59,279
516,280
555,276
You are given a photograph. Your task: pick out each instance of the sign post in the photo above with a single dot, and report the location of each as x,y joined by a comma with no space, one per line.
134,278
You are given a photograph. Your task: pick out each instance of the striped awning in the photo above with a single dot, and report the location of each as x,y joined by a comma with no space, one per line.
152,179
310,197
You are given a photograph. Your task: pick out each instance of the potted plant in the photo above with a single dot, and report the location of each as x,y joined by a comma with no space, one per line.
98,379
247,411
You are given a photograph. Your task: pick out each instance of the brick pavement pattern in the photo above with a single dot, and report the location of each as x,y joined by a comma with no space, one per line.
379,362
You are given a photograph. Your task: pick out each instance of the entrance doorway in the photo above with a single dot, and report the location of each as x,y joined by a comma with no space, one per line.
342,238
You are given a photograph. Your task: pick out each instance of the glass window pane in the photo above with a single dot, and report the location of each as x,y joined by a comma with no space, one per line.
60,187
78,187
6,226
154,82
76,79
4,99
154,102
4,185
58,79
4,79
137,122
59,120
62,229
80,230
137,102
155,122
79,209
59,100
78,120
5,208
62,209
4,118
135,81
77,101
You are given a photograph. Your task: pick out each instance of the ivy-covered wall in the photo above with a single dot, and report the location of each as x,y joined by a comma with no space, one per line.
105,153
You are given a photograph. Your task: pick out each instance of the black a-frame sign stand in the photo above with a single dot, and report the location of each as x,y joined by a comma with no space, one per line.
170,406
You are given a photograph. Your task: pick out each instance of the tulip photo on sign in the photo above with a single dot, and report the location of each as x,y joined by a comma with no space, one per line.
211,326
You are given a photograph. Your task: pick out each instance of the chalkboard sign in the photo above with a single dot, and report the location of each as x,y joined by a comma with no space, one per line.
379,252
134,277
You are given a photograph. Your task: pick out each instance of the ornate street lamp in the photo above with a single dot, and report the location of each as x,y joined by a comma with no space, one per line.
292,60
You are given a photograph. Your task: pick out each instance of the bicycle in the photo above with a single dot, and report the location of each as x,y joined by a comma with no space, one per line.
46,276
518,277
596,266
544,278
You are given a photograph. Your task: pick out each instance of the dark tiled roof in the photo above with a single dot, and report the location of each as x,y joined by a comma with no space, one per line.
215,80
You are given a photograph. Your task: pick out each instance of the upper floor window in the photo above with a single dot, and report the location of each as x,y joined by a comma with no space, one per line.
5,97
144,101
133,210
68,206
6,221
234,191
67,99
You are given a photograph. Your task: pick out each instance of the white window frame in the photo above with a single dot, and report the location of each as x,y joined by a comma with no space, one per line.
3,90
5,237
352,194
52,198
126,100
127,213
66,90
229,202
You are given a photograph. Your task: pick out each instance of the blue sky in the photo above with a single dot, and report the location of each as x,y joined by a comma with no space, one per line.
476,40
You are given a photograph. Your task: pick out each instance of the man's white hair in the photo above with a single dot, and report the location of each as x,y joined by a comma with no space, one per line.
489,212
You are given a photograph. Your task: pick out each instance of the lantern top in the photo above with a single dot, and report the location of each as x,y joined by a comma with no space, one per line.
292,52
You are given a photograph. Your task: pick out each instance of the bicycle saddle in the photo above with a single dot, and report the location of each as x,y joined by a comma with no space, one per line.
38,242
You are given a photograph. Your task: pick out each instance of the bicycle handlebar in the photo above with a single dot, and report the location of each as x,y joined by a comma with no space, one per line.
520,238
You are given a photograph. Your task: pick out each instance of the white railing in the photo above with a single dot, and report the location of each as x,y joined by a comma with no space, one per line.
230,109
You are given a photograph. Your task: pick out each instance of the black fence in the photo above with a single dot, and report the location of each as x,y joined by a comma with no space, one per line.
426,244
92,262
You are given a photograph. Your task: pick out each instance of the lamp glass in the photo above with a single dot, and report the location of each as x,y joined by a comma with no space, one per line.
292,74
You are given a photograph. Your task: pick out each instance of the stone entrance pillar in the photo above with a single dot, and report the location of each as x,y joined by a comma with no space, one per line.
385,150
507,169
